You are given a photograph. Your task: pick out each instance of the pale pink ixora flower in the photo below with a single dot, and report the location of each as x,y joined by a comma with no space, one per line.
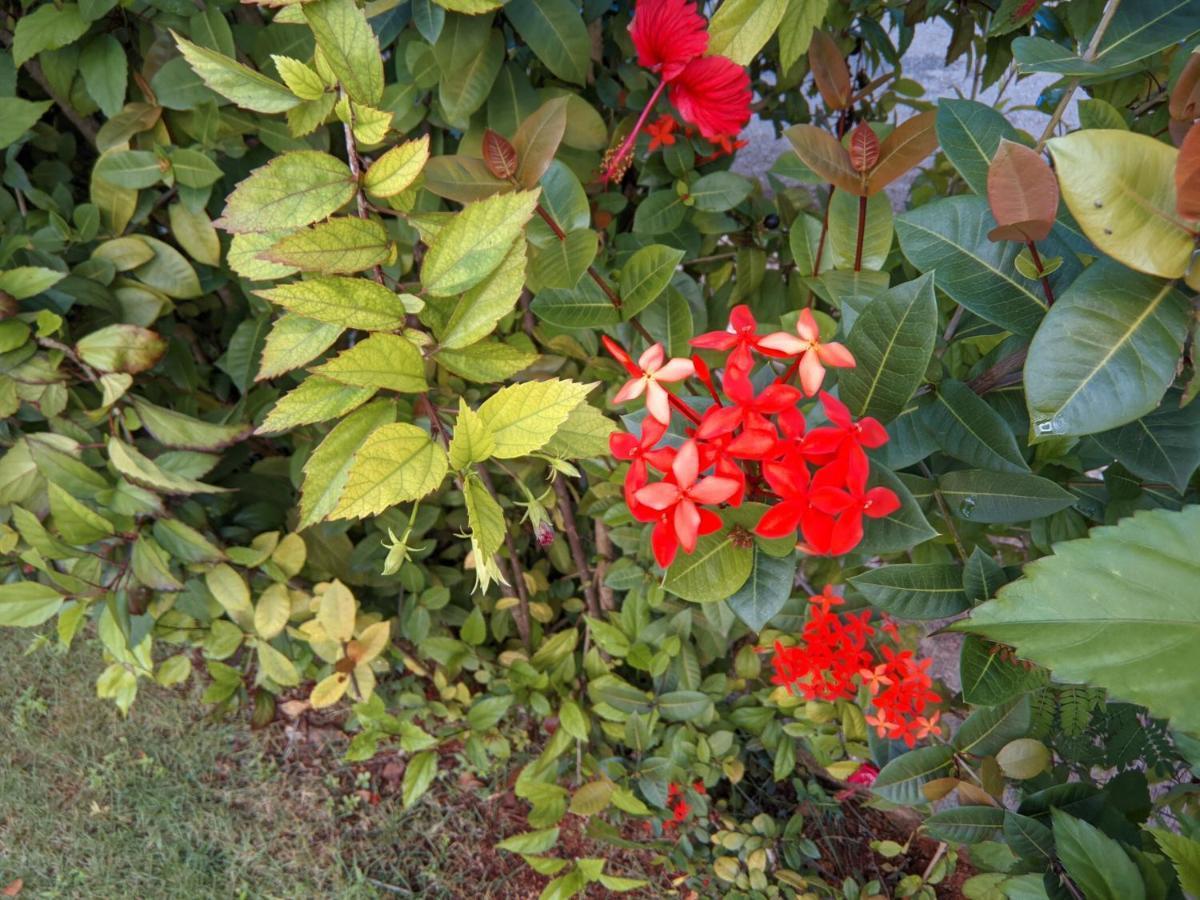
814,354
655,371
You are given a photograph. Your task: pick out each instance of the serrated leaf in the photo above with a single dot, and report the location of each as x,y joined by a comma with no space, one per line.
395,463
1184,853
397,169
523,417
484,517
486,362
174,429
26,604
315,400
1085,612
892,342
294,341
234,81
346,302
475,314
583,435
386,361
1106,352
294,189
472,441
530,842
23,282
328,468
348,45
475,242
338,247
300,79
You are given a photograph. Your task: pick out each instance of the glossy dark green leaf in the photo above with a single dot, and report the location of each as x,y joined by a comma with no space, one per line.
892,342
1106,353
659,212
1095,862
1001,497
966,428
765,591
912,591
1028,838
982,576
970,133
1163,446
556,32
966,824
719,191
990,675
645,276
989,728
583,306
901,780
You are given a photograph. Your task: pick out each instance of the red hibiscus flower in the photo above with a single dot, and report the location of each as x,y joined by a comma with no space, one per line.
713,93
668,34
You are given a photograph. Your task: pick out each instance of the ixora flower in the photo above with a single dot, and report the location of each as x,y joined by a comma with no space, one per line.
711,92
649,373
678,503
813,355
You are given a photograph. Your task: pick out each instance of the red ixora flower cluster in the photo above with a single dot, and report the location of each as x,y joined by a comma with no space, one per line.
662,134
711,92
751,443
832,660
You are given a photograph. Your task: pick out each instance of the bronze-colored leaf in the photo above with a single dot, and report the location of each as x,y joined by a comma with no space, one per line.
864,148
821,152
1022,192
1185,96
1187,176
903,149
829,70
499,155
537,140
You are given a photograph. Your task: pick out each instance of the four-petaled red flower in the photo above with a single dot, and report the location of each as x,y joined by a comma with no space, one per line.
650,372
813,353
662,132
840,489
741,337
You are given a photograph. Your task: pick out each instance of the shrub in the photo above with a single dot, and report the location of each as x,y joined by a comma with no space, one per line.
316,320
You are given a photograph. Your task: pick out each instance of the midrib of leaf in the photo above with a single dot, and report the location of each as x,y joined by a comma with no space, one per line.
888,352
971,431
1117,346
698,560
1143,27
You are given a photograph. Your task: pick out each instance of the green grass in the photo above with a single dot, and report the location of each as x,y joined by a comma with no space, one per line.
170,804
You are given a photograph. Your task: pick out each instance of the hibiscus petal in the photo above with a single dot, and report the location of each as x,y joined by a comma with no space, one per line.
713,93
668,34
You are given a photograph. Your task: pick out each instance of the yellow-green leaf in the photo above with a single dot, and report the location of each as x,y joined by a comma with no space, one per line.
293,342
77,523
381,361
328,466
591,798
396,463
272,611
25,604
472,442
583,435
484,516
291,190
337,612
349,46
241,84
195,233
397,169
339,246
475,242
300,79
522,418
329,690
348,302
243,256
475,313
231,591
145,472
740,28
174,429
1120,187
121,348
418,775
316,400
276,666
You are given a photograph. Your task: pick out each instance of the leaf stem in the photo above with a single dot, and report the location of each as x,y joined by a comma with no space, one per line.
566,506
862,232
1037,263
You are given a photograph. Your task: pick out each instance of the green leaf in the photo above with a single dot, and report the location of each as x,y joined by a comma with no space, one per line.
970,134
340,246
795,31
469,53
24,282
659,213
722,191
1028,837
78,524
105,72
950,236
562,263
472,441
174,429
843,231
892,342
293,342
584,434
475,242
276,666
349,47
462,179
914,591
741,28
556,32
989,728
121,348
717,568
982,576
315,400
386,361
989,675
583,306
477,311
965,427
1085,612
1096,113
766,591
523,417
345,302
300,79
1001,497
194,232
418,776
486,362
1120,188
132,169
1106,352
487,711
26,604
168,271
901,780
683,706
1096,863
231,591
143,471
966,824
293,189
897,531
48,27
1185,854
530,842
240,84
395,464
1163,446
645,276
484,517
328,468
193,169
393,172
17,116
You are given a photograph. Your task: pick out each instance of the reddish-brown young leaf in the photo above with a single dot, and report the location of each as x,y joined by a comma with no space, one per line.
864,148
829,70
1185,96
499,155
1022,192
13,889
904,149
821,152
1187,176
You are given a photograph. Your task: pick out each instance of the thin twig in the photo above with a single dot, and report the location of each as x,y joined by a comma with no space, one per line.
566,506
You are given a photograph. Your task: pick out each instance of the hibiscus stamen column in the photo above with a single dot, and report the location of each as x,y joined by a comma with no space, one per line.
614,168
